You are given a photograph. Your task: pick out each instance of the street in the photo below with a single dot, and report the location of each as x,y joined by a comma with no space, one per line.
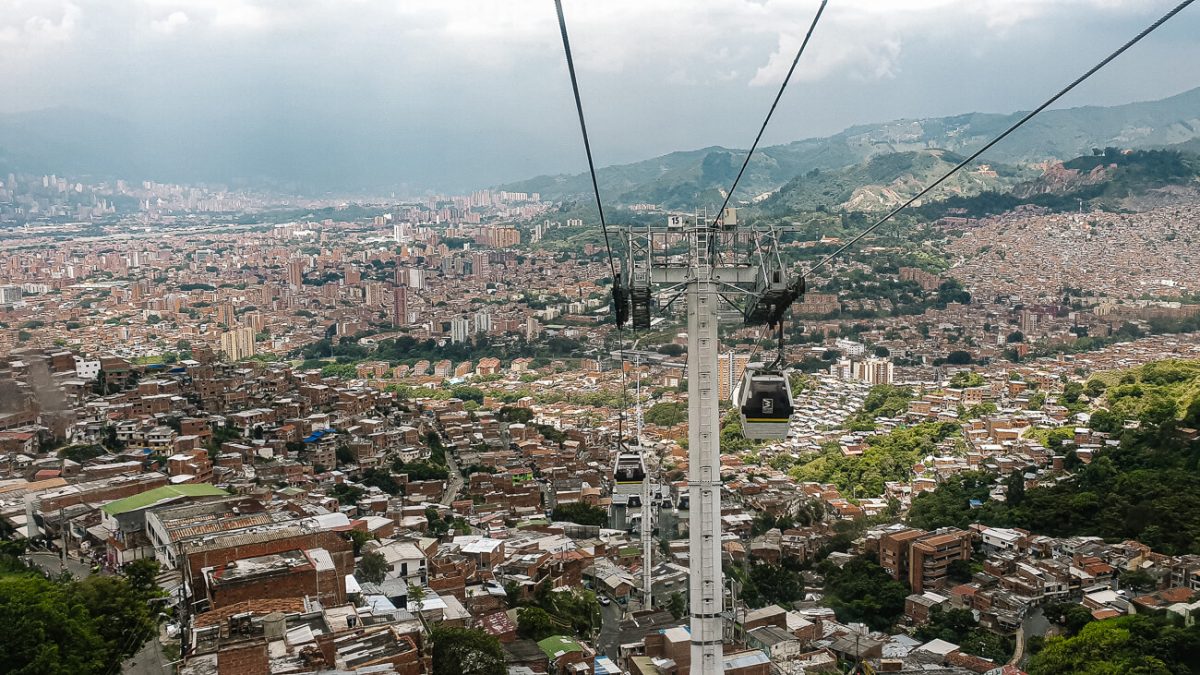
608,641
148,661
456,480
52,563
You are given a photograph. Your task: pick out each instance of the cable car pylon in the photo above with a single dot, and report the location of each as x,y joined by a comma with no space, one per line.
722,266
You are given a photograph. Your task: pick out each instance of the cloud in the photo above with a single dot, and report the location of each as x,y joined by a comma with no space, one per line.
38,22
170,24
474,87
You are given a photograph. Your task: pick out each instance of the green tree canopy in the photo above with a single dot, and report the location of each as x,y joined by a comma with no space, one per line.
465,651
578,512
862,591
1129,644
372,567
534,623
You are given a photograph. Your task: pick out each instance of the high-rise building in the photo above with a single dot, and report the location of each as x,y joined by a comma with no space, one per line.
295,273
238,344
10,295
730,367
851,348
416,278
875,371
400,306
401,232
225,313
460,329
483,322
373,291
479,263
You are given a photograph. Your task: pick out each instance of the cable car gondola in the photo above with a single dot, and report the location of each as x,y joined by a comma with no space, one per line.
764,398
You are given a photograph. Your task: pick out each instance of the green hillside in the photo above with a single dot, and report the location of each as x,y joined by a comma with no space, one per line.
1147,489
1120,177
885,181
696,178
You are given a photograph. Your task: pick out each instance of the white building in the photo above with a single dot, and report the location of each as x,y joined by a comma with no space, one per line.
86,370
851,348
10,295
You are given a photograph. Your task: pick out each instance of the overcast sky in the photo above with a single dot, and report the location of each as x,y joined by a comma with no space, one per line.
466,93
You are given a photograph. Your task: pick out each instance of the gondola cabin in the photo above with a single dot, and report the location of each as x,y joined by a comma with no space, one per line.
764,399
628,473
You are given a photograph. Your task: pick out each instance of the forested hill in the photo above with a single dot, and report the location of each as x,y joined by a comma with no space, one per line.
696,177
1147,489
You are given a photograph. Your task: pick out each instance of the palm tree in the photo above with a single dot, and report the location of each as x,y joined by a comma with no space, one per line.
416,594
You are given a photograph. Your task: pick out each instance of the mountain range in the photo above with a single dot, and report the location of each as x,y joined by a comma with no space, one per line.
859,168
864,167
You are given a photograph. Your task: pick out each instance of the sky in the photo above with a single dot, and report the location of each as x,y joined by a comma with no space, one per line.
461,94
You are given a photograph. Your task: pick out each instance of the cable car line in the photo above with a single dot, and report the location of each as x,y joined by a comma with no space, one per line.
782,87
619,293
587,145
1028,116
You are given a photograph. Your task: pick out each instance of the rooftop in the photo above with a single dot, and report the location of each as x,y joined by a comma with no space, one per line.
162,495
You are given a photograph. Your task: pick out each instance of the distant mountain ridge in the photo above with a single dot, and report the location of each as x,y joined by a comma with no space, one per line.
698,177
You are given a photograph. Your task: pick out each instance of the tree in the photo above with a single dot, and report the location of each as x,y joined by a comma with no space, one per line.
358,539
346,494
46,630
118,611
958,358
81,453
966,378
143,577
534,623
777,584
959,570
1014,337
464,651
1015,492
666,414
862,591
677,605
1138,580
1192,417
1138,644
373,567
672,349
959,626
381,479
512,414
578,512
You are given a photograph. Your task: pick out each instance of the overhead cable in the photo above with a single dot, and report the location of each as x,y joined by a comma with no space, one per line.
778,95
1028,116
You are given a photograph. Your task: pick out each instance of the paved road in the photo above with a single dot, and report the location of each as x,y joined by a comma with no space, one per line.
148,661
52,563
1034,624
456,480
609,639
